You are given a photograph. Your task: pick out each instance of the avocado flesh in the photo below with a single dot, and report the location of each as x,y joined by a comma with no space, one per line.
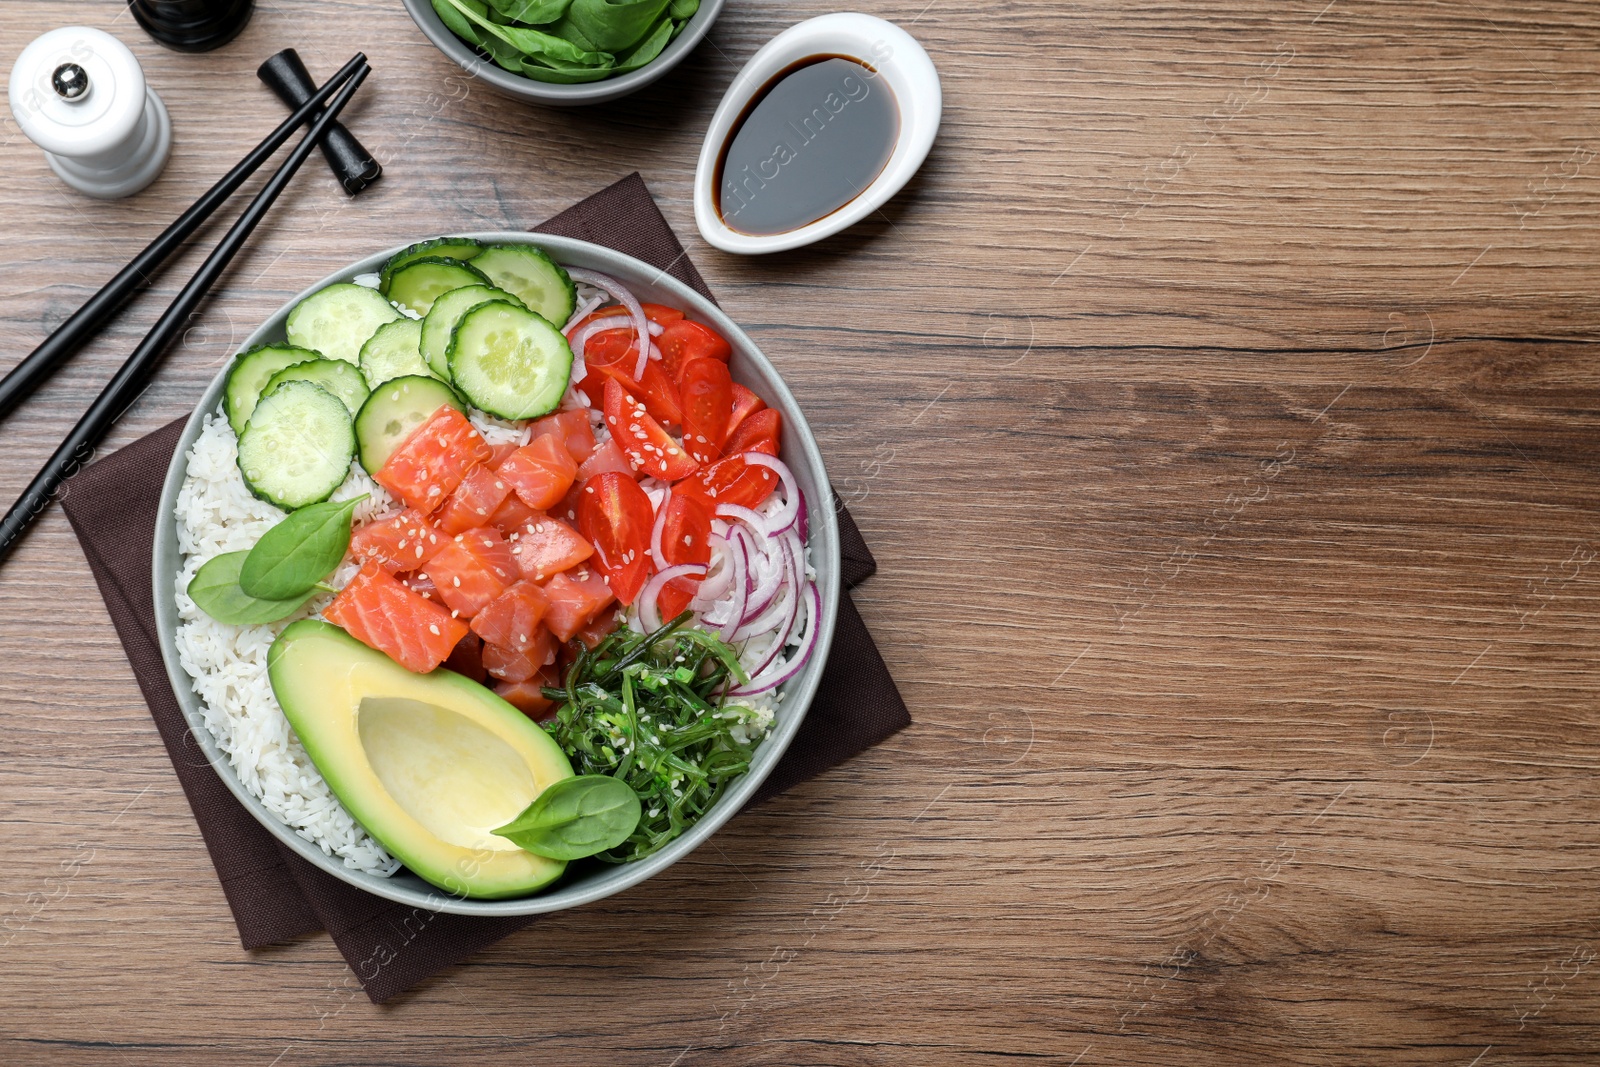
429,764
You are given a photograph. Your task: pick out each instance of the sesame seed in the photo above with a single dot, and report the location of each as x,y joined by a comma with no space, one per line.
402,542
456,581
454,614
433,628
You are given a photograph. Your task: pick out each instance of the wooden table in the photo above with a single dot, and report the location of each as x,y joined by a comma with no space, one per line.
1220,402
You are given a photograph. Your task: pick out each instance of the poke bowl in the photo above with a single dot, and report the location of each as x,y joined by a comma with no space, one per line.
384,718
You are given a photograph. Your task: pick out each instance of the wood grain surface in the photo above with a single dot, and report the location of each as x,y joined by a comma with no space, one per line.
1221,403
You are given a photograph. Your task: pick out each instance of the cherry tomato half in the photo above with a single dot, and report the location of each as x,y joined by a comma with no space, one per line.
707,393
652,450
684,341
612,354
729,481
758,433
614,515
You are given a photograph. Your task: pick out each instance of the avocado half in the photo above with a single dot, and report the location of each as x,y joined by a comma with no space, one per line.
430,764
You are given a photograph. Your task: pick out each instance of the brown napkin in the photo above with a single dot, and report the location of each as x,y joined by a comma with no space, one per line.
275,895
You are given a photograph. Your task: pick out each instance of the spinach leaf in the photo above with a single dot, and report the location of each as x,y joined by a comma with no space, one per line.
647,49
456,22
215,590
615,25
537,43
576,817
532,12
683,10
293,556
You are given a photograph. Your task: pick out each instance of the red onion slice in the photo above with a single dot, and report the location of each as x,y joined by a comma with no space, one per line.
762,683
716,586
655,537
582,311
755,522
782,574
784,516
740,592
641,325
649,610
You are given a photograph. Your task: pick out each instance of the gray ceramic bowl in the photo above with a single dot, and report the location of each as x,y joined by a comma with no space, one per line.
593,882
516,85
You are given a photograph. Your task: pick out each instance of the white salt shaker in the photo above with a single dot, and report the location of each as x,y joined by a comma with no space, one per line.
80,95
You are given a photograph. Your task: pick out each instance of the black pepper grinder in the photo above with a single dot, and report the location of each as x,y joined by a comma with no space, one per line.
352,164
192,25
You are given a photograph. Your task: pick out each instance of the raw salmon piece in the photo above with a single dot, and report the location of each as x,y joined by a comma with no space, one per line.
598,628
512,619
467,657
573,428
429,465
546,547
575,597
401,543
527,697
509,665
512,515
499,452
540,472
469,572
381,613
478,497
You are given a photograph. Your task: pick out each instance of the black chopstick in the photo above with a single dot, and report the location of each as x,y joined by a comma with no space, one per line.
125,387
26,376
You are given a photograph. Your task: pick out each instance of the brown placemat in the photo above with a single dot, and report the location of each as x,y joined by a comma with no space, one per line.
274,894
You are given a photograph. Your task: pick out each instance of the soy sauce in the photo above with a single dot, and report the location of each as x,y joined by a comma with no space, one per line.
808,143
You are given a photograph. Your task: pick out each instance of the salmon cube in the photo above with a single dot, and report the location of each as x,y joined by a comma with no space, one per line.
429,464
540,472
528,697
478,497
599,628
575,597
400,543
381,613
546,546
421,584
512,515
510,665
512,619
499,452
473,569
573,428
466,658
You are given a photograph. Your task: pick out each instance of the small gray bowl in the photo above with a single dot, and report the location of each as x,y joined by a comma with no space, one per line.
598,92
590,882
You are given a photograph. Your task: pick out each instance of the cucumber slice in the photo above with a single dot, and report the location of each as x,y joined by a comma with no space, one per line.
248,378
418,284
337,321
334,375
394,410
509,361
392,352
442,318
459,248
297,447
533,277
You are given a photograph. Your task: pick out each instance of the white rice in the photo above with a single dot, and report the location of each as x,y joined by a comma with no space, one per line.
216,513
